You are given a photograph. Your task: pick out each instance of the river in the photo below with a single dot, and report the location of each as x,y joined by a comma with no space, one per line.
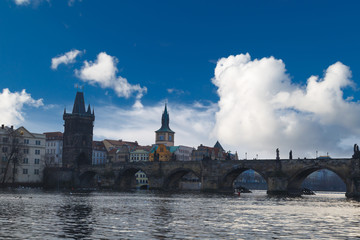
35,214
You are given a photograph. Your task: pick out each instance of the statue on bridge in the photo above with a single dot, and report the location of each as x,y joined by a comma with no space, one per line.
277,154
290,155
356,152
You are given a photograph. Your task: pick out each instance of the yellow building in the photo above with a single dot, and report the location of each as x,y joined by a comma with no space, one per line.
162,153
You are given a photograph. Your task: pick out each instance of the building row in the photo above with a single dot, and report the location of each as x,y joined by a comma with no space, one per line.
24,155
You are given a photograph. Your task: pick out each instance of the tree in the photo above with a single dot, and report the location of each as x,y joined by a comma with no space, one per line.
12,150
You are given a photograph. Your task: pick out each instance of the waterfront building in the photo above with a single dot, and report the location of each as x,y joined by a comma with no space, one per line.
139,155
78,134
165,135
99,154
119,150
53,149
183,153
162,153
142,182
211,153
22,156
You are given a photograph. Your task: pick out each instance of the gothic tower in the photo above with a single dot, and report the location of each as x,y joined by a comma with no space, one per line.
78,134
165,135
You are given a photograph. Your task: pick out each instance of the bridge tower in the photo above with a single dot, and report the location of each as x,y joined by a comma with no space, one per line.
165,135
78,134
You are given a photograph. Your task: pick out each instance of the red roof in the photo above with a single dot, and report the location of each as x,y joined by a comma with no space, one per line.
54,135
98,145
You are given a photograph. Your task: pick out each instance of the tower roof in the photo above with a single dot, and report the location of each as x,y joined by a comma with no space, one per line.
165,122
218,145
79,104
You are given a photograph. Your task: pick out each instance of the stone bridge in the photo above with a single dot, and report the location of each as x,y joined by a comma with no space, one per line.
282,176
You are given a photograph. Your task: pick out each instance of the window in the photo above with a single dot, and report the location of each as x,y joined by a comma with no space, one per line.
161,137
36,171
3,170
37,151
25,160
25,171
37,142
37,161
4,158
4,149
26,141
26,151
5,139
169,137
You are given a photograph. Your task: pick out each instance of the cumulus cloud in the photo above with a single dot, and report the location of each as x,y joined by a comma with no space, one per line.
260,109
103,71
22,2
176,91
12,105
66,58
192,123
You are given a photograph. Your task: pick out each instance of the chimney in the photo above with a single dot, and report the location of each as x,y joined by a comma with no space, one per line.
12,127
2,126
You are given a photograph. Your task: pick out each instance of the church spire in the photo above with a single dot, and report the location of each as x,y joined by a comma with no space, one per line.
165,135
165,120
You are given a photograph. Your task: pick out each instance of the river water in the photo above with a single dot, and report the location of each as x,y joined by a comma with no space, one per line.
35,214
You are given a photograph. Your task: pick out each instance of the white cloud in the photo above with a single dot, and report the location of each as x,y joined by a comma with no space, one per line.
66,58
192,123
175,91
22,2
12,105
261,109
104,73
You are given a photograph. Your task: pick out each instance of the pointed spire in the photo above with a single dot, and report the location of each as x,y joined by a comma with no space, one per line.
79,104
165,120
93,112
64,110
89,110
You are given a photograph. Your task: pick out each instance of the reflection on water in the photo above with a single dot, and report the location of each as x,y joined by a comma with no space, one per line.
26,214
75,218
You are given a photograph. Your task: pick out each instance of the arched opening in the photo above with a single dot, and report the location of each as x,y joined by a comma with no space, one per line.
316,179
89,180
132,178
182,179
244,179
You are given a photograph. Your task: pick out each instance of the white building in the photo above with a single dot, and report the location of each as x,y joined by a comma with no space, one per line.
139,155
99,153
53,148
183,153
22,156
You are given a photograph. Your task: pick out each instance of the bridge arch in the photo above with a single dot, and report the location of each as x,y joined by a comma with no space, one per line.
88,180
173,178
126,179
296,180
226,183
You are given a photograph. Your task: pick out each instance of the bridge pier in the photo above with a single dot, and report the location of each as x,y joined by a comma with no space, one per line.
353,182
353,189
156,182
277,185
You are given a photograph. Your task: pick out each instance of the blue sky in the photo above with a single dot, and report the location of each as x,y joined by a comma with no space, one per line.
172,48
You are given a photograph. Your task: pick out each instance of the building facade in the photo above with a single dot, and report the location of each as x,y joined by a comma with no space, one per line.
165,135
99,154
183,153
162,153
139,155
22,156
53,148
78,134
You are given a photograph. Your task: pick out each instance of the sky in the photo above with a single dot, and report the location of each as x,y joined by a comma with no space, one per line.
255,75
